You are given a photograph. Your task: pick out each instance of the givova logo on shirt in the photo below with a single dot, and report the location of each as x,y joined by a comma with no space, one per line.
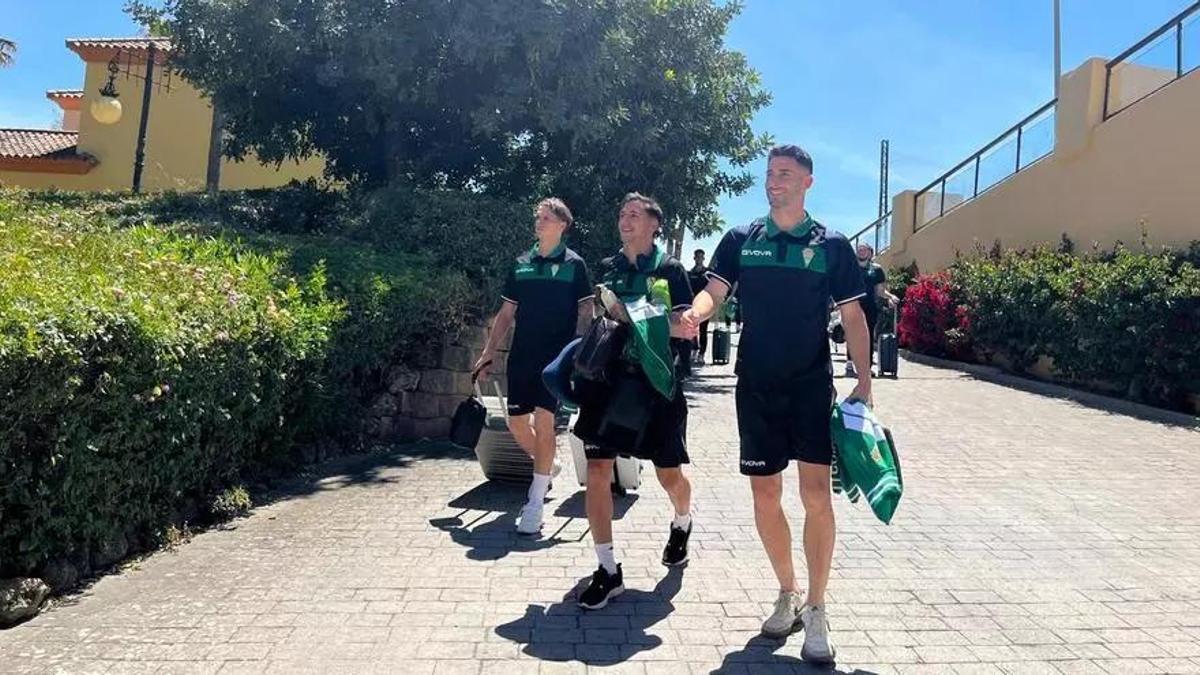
548,272
764,254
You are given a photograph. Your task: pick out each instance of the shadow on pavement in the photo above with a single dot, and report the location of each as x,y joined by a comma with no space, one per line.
759,654
695,389
564,632
358,469
487,522
491,539
716,383
299,482
575,506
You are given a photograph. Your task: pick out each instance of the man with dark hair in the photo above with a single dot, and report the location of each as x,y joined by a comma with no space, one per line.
787,267
641,270
873,281
547,295
698,276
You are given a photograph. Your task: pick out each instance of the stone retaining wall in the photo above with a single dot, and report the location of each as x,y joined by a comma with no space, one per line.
421,396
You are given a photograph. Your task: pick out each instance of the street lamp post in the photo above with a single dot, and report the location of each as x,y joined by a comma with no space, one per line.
139,161
107,109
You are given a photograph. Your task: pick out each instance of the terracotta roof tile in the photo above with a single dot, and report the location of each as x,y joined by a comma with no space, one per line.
64,93
126,44
42,143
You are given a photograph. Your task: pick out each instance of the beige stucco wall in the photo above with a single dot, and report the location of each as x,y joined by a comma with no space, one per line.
1107,181
177,139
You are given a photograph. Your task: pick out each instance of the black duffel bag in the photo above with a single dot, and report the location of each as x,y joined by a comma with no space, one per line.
600,349
469,418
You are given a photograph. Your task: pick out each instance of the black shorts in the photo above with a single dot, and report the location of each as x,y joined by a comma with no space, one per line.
527,391
782,422
664,442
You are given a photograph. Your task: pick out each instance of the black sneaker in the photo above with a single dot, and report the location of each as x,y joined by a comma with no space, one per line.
676,552
604,587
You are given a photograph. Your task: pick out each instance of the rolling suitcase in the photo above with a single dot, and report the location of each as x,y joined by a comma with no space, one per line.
889,351
720,346
627,470
500,457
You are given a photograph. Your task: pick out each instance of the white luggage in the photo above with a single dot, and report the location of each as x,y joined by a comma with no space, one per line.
628,470
500,457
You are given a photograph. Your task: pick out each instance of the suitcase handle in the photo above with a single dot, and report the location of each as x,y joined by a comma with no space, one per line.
500,395
495,383
475,373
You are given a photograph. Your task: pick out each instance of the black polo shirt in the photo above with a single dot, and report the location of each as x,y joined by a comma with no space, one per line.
785,281
873,276
632,281
547,292
698,277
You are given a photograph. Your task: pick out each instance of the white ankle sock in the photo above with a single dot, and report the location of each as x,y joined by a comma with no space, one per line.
538,488
682,522
607,557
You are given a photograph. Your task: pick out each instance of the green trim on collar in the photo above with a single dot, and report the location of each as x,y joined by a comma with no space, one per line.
800,230
646,262
557,252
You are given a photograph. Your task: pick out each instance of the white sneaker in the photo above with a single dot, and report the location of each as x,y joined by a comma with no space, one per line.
530,522
818,648
785,620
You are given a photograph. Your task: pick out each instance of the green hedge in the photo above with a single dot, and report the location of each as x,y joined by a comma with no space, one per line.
470,234
144,366
1125,321
399,307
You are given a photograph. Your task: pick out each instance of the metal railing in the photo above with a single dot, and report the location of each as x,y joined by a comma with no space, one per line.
878,234
1153,63
1021,145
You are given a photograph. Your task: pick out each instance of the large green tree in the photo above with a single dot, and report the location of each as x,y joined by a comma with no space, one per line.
586,99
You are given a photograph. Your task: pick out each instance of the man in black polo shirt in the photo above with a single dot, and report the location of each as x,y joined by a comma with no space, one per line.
787,267
641,270
873,282
698,276
547,294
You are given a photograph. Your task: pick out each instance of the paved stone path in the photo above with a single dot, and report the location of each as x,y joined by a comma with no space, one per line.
1036,536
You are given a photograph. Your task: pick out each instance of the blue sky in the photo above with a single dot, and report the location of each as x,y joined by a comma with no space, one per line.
938,78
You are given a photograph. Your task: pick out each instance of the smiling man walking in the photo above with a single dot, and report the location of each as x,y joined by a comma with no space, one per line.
787,268
641,271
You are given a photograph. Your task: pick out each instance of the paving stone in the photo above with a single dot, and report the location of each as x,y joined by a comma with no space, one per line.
1003,557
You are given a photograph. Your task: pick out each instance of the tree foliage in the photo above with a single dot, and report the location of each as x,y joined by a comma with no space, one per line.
585,99
8,49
